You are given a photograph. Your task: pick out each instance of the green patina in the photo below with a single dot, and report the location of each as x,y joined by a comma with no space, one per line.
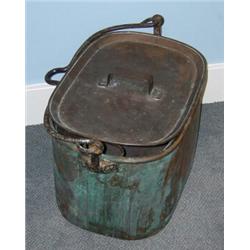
134,201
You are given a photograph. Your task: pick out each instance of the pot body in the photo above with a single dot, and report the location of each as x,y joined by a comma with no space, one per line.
132,202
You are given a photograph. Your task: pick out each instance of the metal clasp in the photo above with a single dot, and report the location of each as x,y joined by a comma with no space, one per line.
90,155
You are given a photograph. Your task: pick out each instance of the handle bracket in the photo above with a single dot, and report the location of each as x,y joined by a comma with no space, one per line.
90,150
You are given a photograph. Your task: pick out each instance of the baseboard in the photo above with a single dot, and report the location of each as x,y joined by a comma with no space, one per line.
37,95
215,86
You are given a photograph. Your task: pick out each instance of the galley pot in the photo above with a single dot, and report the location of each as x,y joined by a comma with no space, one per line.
124,122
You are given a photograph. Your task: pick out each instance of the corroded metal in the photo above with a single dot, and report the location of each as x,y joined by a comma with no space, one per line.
117,174
125,81
132,202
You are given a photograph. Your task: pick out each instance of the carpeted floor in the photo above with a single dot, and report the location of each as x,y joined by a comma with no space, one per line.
196,224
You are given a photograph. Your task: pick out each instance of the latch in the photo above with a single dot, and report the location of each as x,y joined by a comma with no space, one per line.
90,152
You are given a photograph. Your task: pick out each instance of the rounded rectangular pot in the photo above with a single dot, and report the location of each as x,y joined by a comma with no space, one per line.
133,201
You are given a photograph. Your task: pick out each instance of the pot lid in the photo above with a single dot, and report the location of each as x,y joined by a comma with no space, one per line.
129,88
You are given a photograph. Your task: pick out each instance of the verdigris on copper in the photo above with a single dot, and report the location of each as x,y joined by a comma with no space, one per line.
124,122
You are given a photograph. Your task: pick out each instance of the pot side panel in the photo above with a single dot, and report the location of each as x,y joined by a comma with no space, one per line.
133,202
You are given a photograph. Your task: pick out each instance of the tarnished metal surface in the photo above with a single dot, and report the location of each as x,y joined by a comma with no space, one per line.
124,122
125,81
133,202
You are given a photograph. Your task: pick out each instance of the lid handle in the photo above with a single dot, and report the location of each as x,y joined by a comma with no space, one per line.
155,21
142,84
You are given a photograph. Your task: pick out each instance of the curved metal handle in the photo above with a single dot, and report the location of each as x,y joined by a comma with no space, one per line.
50,127
51,73
89,149
156,22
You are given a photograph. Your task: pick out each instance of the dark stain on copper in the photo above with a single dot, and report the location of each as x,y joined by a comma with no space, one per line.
64,196
66,165
170,170
115,181
145,221
118,181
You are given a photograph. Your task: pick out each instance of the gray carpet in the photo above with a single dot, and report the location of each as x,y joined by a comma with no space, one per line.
196,224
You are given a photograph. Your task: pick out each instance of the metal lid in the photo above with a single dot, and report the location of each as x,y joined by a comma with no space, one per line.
129,88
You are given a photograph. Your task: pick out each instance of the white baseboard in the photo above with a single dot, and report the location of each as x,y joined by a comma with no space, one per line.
215,86
37,95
